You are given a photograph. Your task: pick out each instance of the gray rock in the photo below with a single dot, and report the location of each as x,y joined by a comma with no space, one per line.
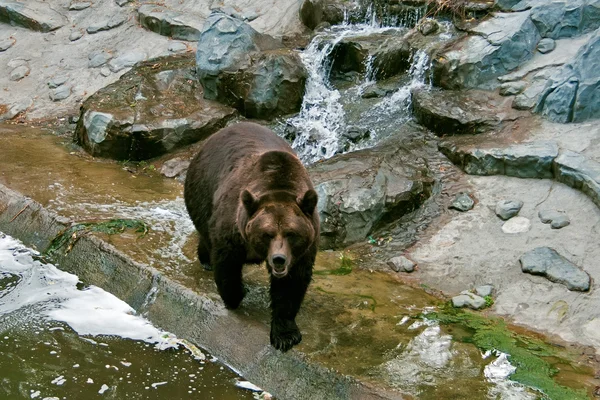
60,93
177,47
507,5
355,134
388,55
499,45
462,202
512,88
401,264
17,62
80,5
98,58
506,209
126,60
6,44
247,70
37,16
316,12
468,299
105,71
121,3
428,26
566,18
57,81
374,91
484,290
516,225
450,113
556,219
571,95
76,34
172,23
361,190
548,263
143,116
19,73
575,170
546,45
107,24
526,160
530,97
174,167
16,109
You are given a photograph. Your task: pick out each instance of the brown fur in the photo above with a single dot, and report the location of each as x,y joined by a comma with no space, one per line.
252,200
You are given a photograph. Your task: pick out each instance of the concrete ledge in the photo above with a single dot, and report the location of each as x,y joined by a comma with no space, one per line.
540,160
239,341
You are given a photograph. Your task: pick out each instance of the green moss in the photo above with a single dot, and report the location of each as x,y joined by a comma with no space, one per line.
69,236
525,353
489,301
344,269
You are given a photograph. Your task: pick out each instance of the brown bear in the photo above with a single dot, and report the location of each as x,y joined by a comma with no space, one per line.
252,200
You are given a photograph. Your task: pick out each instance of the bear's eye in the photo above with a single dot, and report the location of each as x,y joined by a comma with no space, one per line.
267,236
291,235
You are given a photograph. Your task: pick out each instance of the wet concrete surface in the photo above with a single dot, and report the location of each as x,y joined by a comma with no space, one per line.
363,323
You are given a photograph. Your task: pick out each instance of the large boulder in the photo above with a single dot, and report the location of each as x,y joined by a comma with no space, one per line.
37,16
495,47
573,93
460,112
156,107
362,190
240,67
566,18
382,55
314,12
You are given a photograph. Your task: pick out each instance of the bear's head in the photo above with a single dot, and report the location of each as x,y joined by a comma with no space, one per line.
280,227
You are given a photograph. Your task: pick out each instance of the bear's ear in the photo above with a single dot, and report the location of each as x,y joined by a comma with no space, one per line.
250,203
309,202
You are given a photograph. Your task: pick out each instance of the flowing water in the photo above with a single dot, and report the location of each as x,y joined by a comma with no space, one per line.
62,340
327,111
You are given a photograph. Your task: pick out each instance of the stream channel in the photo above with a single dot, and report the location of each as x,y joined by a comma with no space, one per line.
60,338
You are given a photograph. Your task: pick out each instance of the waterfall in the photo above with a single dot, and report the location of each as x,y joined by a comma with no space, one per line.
316,131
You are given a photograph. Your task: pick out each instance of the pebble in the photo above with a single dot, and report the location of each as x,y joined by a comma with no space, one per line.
113,22
78,6
98,58
19,73
174,167
76,34
516,225
105,71
506,209
556,219
428,26
121,3
546,45
462,202
512,88
177,47
16,62
401,264
57,81
6,44
484,290
60,93
468,299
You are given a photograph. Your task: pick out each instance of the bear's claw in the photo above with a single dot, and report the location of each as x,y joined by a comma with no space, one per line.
285,335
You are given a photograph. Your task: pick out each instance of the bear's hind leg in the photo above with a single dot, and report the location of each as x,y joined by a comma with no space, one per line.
228,276
287,294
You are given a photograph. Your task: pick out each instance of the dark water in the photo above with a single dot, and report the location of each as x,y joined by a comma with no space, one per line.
51,346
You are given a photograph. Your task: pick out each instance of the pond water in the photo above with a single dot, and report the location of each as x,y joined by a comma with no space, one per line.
62,340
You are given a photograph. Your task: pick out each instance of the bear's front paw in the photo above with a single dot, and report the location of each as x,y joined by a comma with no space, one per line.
233,298
285,334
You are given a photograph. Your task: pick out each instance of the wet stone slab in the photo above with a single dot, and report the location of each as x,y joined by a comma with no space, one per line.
548,263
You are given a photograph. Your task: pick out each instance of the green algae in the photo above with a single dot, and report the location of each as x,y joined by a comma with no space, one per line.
69,236
527,354
344,269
